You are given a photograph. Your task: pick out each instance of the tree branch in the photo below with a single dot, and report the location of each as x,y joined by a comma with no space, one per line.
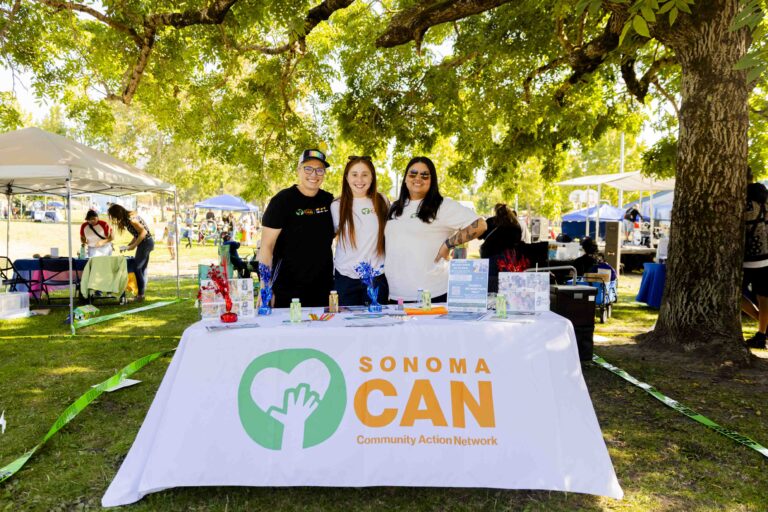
138,69
315,16
71,6
11,15
411,24
639,88
668,96
538,71
561,35
586,59
214,14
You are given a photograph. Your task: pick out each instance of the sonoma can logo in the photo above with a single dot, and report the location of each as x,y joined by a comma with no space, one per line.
291,399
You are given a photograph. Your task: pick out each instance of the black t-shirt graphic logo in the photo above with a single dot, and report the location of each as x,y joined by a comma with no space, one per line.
303,247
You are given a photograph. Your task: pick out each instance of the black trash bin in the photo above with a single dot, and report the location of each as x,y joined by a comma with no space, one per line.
577,304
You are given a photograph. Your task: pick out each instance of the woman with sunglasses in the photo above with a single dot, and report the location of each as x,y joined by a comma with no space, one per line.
359,216
422,229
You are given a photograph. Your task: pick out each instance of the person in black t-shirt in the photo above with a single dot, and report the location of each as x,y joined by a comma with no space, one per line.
504,232
589,260
501,238
298,232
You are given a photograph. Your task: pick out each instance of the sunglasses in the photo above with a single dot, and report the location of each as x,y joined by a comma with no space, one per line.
308,170
413,173
355,157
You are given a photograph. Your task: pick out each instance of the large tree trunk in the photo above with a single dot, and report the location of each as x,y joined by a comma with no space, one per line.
700,309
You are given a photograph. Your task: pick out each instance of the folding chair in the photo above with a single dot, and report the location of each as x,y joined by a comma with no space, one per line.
11,277
55,272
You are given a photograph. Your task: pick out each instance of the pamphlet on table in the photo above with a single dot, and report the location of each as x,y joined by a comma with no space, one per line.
468,285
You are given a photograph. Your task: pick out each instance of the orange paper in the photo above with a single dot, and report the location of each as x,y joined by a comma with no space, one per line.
439,310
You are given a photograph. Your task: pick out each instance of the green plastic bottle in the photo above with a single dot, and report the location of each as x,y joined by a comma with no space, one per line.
295,311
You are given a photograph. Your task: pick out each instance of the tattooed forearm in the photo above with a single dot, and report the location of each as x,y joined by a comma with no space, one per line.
470,232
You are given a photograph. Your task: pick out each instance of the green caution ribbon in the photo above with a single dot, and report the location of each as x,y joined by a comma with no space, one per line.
91,335
104,318
77,407
674,404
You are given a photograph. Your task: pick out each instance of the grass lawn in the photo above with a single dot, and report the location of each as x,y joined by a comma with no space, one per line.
664,461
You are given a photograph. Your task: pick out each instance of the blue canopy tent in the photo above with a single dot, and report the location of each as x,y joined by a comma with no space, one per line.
574,223
227,202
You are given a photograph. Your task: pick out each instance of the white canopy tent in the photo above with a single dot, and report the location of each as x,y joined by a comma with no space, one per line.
33,161
624,181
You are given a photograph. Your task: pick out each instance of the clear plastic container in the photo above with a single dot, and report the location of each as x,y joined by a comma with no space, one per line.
333,302
14,305
295,314
426,301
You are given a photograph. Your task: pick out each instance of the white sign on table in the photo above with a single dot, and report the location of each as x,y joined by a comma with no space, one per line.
526,292
425,403
212,305
468,285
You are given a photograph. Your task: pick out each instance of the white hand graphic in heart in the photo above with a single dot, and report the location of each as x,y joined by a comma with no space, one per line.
269,385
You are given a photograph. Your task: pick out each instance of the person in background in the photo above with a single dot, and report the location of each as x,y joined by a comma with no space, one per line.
234,257
526,235
170,237
589,260
502,235
298,234
245,228
186,233
95,235
359,217
209,215
143,242
756,259
631,216
421,230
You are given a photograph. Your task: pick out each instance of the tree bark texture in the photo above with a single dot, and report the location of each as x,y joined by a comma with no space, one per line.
700,308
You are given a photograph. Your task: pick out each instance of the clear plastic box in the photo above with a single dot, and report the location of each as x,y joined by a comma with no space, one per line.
14,305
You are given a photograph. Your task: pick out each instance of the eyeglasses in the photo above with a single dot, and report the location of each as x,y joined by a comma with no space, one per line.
355,157
413,173
308,170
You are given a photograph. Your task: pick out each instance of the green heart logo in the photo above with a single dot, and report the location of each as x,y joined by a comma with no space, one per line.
292,399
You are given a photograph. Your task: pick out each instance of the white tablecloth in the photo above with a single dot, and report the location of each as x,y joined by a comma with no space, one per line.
431,402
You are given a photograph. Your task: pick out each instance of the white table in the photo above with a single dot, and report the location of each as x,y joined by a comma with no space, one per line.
429,402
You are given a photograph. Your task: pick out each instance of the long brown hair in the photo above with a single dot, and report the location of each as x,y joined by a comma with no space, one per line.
120,216
345,205
504,216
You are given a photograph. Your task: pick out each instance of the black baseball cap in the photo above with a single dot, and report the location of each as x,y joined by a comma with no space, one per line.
313,154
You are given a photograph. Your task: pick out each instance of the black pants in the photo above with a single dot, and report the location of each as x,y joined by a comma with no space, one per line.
141,259
352,292
314,300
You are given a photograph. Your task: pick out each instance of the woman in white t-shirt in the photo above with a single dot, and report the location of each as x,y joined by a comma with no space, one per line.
422,229
359,216
95,235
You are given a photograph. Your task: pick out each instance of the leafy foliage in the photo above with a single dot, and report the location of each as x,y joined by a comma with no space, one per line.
507,95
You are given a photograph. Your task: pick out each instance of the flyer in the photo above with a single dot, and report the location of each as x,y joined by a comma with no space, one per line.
526,292
241,293
468,285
